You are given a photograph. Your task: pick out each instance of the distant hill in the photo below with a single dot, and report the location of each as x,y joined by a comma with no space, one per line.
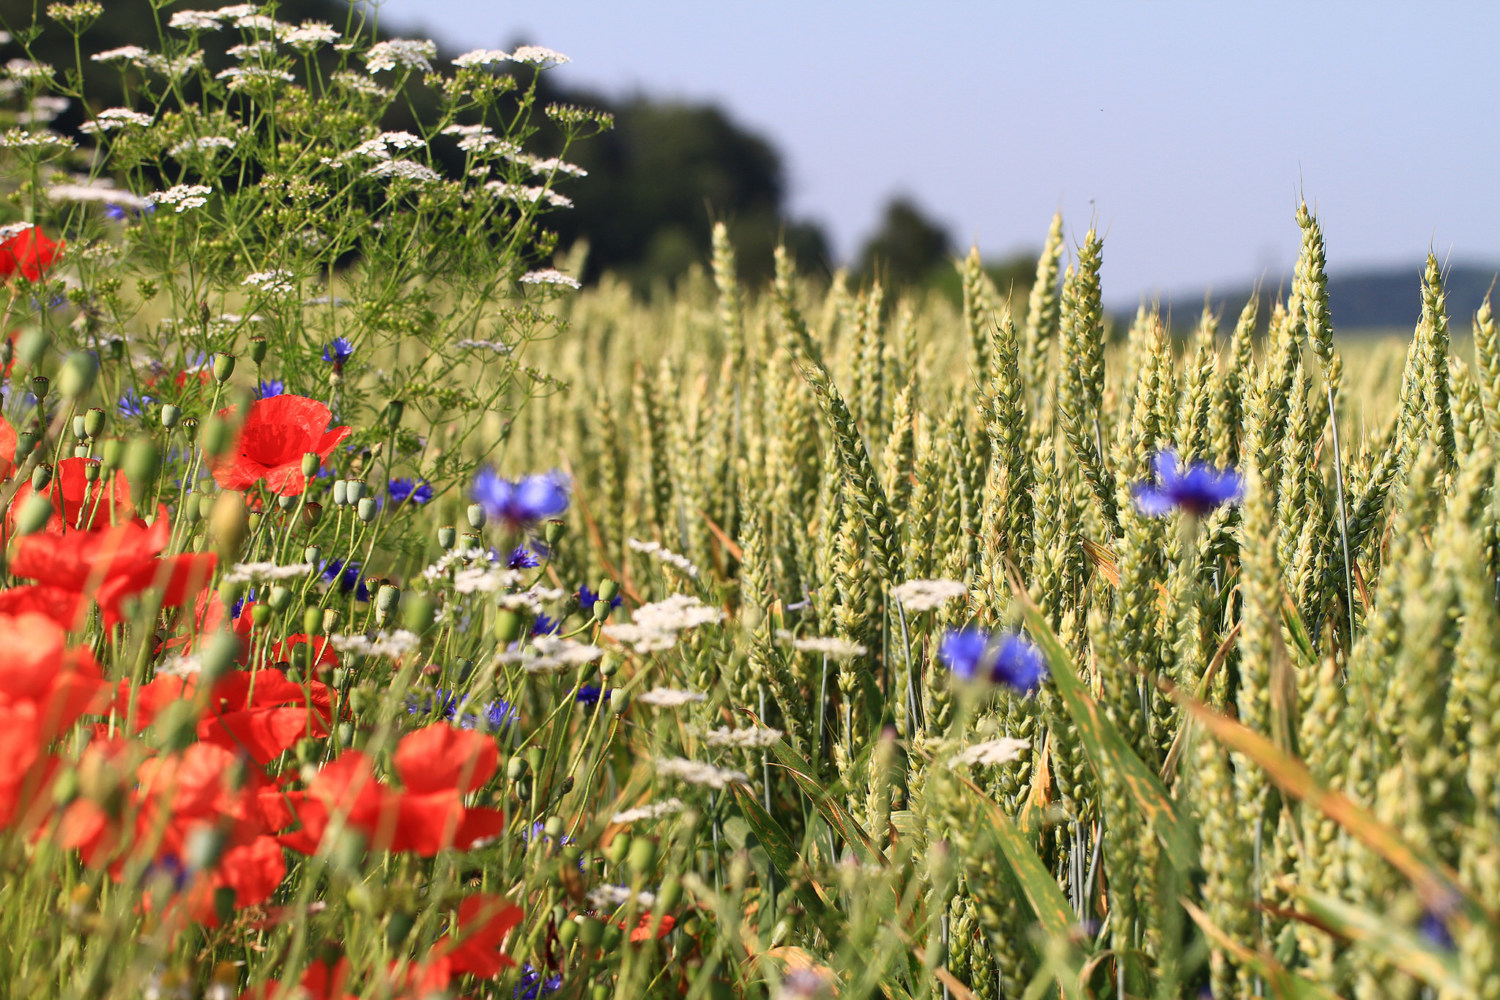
1364,301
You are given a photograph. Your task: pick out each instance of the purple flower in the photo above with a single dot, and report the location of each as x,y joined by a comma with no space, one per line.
522,558
975,655
587,597
271,387
417,491
544,625
533,984
337,352
522,502
346,575
1198,489
133,404
589,694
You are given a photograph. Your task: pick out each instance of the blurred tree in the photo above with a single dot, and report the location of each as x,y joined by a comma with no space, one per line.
907,247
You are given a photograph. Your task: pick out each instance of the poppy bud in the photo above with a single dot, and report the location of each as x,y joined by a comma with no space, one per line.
91,472
567,933
31,345
171,413
553,532
418,612
312,620
223,649
590,932
260,615
642,857
285,503
619,701
228,523
669,893
612,937
78,374
367,509
223,367
618,848
515,768
112,453
508,625
447,535
26,443
39,386
258,347
33,514
346,734
311,462
610,665
142,463
217,435
41,476
78,429
331,618
476,516
280,598
93,422
114,349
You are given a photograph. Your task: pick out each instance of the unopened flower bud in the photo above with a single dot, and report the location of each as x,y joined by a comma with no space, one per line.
78,374
217,435
41,476
112,453
142,463
32,345
312,620
393,413
418,612
553,532
311,462
260,615
279,598
476,516
508,625
33,515
171,413
223,367
93,422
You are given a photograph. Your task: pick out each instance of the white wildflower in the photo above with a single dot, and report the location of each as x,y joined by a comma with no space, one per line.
254,572
537,55
401,140
43,110
391,645
262,47
670,697
18,138
175,67
133,54
552,276
926,595
257,22
612,897
112,118
408,52
753,736
243,76
26,69
469,344
484,579
236,11
360,84
553,165
276,282
824,645
101,193
202,144
655,549
528,194
698,773
194,20
309,35
184,196
1001,751
654,810
404,170
480,57
14,229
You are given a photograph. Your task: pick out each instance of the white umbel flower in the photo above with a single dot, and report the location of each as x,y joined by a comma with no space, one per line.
926,595
669,697
695,772
552,276
182,196
652,810
407,52
1001,751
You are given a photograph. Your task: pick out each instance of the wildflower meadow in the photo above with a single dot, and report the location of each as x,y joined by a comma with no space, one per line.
385,615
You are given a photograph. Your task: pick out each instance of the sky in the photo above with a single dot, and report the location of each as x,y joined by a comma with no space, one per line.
1184,132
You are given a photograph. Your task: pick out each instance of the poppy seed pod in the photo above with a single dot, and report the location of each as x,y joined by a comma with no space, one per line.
258,348
341,492
228,522
81,451
93,422
312,621
32,345
223,367
41,476
386,600
312,513
311,462
33,516
476,516
447,535
112,453
418,613
79,431
218,435
367,509
280,598
40,386
171,413
142,463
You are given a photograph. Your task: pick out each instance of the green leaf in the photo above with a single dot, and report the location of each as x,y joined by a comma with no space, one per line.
783,855
1280,981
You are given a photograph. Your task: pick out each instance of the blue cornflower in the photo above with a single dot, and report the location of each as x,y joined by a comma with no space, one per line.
543,625
445,704
346,575
120,213
522,558
589,694
533,985
523,502
1198,489
417,491
973,654
271,387
133,404
337,351
239,604
587,598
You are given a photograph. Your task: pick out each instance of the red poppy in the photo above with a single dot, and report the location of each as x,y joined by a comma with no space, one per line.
31,252
483,922
7,448
278,431
642,930
78,504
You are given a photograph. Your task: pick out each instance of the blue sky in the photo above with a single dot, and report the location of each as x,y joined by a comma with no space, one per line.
1183,130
